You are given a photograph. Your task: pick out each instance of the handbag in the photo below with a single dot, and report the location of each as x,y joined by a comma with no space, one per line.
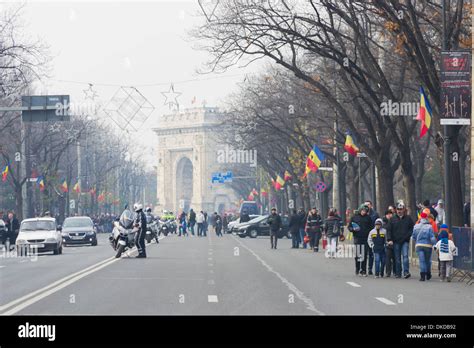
306,239
325,241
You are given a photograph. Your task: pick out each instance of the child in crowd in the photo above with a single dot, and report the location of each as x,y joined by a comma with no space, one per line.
446,251
377,241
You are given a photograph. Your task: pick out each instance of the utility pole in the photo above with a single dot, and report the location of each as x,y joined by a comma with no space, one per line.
79,177
447,137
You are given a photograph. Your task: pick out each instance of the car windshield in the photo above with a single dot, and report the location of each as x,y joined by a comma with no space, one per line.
77,222
38,226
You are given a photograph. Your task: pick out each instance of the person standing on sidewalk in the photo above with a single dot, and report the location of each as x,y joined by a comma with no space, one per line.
374,216
314,225
294,226
376,241
446,251
360,226
399,232
274,220
302,224
424,238
332,229
389,254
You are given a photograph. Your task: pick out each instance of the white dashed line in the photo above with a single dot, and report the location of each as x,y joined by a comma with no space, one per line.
209,258
355,285
212,298
384,300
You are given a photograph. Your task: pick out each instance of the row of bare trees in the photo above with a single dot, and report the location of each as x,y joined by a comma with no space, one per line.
347,58
83,150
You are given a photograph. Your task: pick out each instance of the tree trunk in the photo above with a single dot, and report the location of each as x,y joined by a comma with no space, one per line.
409,182
385,181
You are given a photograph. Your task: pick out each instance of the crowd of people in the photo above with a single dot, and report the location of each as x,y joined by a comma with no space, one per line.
197,224
381,243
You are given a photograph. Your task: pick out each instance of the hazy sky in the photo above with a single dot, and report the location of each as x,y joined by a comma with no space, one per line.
127,43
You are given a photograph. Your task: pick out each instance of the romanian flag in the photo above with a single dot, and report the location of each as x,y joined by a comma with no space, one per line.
77,188
5,173
264,193
40,182
350,147
279,183
287,176
254,192
424,113
313,162
64,187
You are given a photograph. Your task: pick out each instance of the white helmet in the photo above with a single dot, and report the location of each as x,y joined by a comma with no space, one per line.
137,207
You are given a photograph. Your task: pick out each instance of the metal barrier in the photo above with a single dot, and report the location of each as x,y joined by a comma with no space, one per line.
463,262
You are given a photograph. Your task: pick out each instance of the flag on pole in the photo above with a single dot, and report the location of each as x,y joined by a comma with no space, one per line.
287,176
263,192
349,146
5,173
64,187
313,162
77,188
279,183
40,182
424,113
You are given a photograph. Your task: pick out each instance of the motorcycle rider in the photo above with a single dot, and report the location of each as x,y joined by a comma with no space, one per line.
140,222
149,220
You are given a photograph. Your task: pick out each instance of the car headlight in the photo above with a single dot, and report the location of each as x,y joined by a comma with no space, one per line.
50,240
20,241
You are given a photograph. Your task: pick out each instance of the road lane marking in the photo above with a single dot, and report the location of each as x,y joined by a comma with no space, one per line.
3,266
309,303
51,291
212,298
384,300
39,294
355,285
209,258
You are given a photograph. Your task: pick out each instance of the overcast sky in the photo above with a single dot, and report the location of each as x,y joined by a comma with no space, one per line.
127,43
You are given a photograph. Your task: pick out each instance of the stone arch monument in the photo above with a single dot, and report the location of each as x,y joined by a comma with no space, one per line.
187,157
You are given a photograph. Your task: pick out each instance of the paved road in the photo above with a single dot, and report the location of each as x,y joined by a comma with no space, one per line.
214,276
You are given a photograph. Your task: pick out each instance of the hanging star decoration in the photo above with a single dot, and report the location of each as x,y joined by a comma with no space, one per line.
171,97
90,93
55,127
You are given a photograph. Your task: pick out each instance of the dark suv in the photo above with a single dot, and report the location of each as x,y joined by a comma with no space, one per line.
259,227
79,230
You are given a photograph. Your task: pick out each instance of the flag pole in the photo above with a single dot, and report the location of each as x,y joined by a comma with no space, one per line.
447,138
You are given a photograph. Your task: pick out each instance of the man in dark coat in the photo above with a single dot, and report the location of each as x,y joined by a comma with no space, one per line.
360,225
295,229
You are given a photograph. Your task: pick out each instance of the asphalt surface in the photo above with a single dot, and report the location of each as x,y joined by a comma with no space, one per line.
214,276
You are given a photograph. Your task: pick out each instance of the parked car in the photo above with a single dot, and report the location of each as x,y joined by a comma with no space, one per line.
259,227
41,233
79,230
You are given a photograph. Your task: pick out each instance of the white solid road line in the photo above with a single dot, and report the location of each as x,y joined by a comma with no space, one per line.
309,303
37,295
355,285
384,300
212,298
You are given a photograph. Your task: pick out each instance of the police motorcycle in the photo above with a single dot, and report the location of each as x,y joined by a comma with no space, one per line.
151,227
123,233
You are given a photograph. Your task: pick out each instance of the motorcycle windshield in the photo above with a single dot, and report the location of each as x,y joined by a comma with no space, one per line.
126,219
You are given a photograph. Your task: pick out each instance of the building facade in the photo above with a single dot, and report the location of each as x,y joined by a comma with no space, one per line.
187,158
